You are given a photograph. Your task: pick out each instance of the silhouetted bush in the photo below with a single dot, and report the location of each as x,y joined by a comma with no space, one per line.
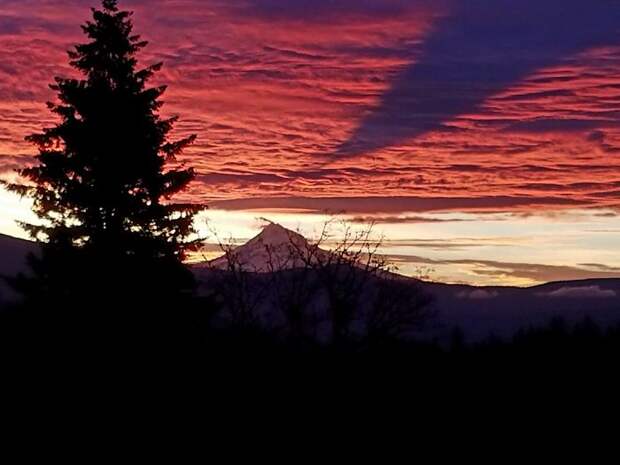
346,296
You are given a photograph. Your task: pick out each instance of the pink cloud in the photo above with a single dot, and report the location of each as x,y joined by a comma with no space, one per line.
271,92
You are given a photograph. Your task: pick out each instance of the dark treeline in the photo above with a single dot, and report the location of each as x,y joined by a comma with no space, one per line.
110,282
187,334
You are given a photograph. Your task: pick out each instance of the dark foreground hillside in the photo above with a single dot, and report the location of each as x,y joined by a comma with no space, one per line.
163,342
13,253
183,335
298,312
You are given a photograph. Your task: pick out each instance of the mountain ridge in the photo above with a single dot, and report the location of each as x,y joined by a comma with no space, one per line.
13,252
477,310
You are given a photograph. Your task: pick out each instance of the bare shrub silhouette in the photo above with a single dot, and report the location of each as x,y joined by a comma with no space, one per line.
237,291
336,289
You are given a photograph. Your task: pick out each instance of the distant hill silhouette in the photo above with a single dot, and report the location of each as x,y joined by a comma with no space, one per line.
479,311
13,253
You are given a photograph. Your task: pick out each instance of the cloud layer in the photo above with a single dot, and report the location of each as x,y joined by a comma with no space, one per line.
367,106
590,292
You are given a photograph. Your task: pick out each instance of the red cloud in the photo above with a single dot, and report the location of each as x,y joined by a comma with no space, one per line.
271,95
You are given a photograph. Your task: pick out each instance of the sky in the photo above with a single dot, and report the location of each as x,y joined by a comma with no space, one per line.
482,136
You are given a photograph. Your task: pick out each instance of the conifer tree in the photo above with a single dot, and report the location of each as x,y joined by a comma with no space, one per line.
105,176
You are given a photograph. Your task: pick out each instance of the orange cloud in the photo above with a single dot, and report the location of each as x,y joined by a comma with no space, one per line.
273,88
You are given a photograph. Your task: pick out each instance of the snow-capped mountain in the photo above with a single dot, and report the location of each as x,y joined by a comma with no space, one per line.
478,311
275,248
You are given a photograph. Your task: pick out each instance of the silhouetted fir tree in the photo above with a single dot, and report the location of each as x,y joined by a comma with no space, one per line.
103,182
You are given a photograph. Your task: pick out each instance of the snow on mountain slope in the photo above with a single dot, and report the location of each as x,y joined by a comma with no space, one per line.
478,311
275,248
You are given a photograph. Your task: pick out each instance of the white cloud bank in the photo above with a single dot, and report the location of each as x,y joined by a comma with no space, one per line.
590,292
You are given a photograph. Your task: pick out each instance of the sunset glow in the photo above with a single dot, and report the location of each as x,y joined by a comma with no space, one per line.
488,158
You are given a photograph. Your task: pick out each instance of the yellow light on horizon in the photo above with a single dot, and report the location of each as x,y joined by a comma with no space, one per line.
13,208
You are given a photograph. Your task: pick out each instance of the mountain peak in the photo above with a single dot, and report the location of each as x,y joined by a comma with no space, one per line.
274,248
274,234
